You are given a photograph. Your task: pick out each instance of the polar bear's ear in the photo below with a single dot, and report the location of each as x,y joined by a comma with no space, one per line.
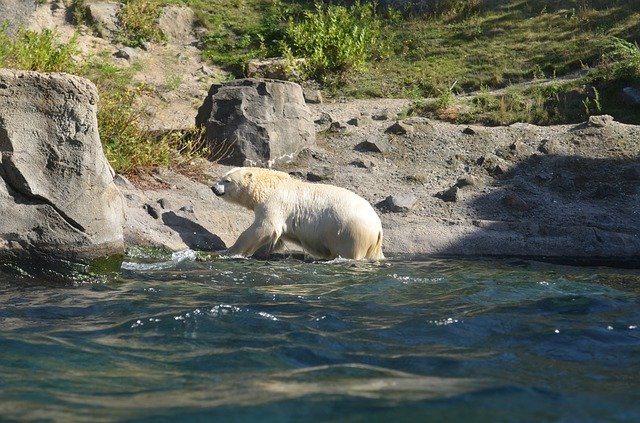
248,175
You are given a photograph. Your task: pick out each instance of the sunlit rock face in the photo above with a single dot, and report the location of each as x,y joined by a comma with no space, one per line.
57,195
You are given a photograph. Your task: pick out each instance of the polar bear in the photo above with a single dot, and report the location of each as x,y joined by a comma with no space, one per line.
325,220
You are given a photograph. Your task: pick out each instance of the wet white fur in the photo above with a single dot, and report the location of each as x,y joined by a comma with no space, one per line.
325,220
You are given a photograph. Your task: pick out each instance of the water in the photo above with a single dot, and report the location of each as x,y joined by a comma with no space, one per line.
285,340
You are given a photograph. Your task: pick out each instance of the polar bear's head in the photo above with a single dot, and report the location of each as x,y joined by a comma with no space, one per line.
248,186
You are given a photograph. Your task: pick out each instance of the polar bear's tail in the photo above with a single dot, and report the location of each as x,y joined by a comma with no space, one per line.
375,251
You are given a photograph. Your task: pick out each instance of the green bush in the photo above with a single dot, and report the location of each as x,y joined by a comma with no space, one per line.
79,12
127,145
138,21
37,51
620,59
333,38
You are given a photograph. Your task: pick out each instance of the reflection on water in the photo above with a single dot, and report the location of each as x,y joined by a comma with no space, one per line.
281,340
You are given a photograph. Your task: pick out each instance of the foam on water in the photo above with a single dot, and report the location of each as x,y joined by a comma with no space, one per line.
176,258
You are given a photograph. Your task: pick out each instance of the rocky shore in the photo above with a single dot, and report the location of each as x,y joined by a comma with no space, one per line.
566,193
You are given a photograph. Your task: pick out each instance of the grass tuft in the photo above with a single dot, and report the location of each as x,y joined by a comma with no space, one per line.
37,51
138,23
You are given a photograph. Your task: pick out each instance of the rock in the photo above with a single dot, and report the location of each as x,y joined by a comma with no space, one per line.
550,147
519,148
500,168
127,53
364,164
165,204
257,122
16,13
469,131
56,187
337,127
398,203
523,126
600,121
103,16
376,145
122,182
381,115
206,70
631,173
494,164
324,119
360,121
274,68
192,233
631,95
312,96
399,128
466,181
514,202
187,209
318,174
152,210
449,195
57,5
177,24
418,179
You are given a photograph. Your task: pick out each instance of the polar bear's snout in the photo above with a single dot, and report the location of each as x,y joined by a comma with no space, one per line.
218,189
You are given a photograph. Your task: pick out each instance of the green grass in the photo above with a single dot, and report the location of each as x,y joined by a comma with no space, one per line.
239,30
128,145
445,48
464,44
495,47
37,51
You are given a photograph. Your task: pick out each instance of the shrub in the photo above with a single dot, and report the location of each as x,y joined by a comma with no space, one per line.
333,38
79,12
139,22
621,59
37,51
127,145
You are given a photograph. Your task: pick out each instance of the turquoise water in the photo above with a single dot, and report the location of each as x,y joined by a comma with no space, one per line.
285,340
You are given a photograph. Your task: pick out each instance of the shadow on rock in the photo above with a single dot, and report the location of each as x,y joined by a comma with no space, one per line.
564,208
194,235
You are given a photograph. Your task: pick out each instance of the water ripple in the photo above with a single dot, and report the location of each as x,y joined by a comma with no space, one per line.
291,340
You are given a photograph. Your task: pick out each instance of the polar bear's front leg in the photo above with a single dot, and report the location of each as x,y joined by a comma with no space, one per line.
254,237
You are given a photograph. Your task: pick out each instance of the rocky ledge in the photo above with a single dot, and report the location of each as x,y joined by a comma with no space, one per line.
565,193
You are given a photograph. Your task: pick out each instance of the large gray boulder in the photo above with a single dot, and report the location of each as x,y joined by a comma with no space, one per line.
57,195
256,122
